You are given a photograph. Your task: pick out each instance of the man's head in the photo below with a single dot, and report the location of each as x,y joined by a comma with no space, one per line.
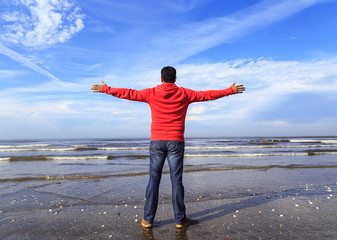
168,74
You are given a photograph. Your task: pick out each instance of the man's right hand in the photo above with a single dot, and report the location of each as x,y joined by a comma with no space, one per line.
97,88
238,88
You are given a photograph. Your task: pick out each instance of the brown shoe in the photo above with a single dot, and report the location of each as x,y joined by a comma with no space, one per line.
185,223
145,224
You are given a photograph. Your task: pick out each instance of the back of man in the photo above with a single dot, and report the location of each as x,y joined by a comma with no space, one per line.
168,105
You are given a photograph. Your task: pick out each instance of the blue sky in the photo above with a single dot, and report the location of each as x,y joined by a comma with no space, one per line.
52,51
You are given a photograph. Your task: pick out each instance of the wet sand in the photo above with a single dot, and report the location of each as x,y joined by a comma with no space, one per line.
269,204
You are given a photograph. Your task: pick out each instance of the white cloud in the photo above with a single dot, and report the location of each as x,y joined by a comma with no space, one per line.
268,83
37,23
189,39
197,109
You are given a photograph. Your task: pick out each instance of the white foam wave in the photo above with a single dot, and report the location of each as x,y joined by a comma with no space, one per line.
258,154
37,149
122,148
312,140
328,141
259,146
76,147
25,146
77,158
65,158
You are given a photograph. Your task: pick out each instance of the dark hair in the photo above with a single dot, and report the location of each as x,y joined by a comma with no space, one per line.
169,74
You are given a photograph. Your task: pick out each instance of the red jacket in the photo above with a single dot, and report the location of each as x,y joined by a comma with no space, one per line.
168,105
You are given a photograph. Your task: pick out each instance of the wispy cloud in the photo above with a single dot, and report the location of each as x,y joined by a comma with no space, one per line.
189,39
46,22
21,59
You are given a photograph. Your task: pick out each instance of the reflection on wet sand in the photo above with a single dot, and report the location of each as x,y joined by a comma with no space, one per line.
148,233
188,170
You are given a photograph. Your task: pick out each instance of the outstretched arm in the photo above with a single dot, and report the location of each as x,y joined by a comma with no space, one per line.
238,88
199,96
126,93
98,88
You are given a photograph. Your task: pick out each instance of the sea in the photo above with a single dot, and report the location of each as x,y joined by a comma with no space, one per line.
76,159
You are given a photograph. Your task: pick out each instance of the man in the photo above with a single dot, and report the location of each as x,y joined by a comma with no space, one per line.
168,105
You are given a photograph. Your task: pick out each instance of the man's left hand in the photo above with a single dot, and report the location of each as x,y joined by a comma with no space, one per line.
238,88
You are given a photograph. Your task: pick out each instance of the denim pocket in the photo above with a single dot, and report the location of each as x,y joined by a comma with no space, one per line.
154,146
176,146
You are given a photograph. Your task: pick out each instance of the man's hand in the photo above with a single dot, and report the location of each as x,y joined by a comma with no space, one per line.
238,88
97,88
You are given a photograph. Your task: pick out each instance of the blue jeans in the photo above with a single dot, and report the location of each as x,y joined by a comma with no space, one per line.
174,151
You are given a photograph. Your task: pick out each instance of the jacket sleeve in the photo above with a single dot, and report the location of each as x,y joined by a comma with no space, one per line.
126,93
200,96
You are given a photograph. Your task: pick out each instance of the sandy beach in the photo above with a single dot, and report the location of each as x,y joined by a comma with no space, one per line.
257,204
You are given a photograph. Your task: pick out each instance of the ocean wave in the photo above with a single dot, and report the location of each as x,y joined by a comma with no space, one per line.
308,153
26,146
146,156
81,148
78,158
270,140
122,148
312,141
72,158
328,141
38,149
55,158
146,148
260,146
